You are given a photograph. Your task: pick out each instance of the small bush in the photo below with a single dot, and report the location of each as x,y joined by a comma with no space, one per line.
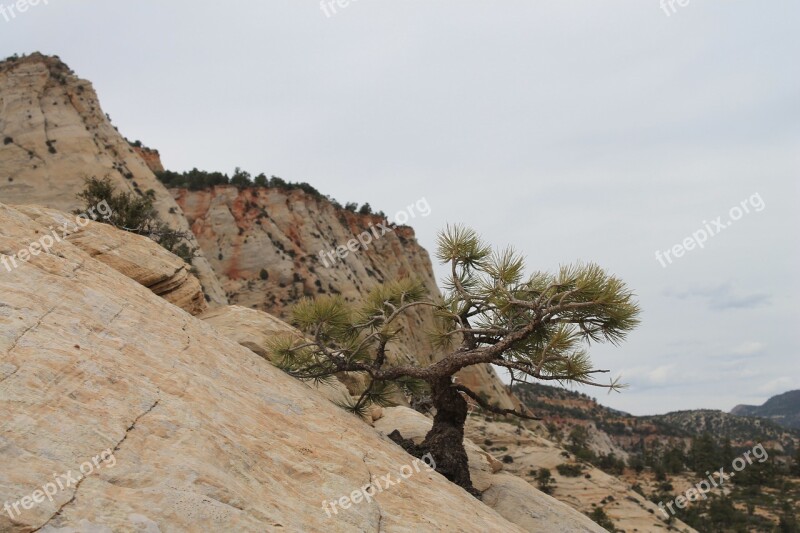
570,469
544,480
600,518
135,214
610,464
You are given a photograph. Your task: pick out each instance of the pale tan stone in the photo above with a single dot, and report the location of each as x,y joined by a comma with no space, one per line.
251,328
134,256
256,329
375,412
511,497
59,135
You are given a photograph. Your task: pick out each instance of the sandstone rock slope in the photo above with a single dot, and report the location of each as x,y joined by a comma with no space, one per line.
206,435
54,134
248,327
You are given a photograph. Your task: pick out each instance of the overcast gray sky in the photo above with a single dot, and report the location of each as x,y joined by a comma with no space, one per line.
600,131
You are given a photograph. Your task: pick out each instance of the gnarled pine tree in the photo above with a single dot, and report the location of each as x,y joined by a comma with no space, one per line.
536,327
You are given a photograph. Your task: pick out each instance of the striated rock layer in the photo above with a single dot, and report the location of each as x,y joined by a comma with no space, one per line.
151,158
134,256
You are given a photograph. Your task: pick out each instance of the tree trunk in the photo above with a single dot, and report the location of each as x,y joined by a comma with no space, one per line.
445,440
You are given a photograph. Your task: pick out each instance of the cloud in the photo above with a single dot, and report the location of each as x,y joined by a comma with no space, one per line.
749,348
649,376
660,374
721,297
749,372
776,386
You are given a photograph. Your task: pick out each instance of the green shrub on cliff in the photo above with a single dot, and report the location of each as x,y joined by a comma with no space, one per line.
135,214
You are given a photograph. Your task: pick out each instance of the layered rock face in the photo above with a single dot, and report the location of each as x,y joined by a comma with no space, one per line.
268,247
122,412
134,256
250,328
150,157
53,135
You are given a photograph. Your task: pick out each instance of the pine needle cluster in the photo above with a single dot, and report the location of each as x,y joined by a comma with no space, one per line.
538,325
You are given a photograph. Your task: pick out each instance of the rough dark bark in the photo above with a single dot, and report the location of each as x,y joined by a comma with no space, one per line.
445,440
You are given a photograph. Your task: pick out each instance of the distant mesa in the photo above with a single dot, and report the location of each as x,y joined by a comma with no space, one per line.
783,409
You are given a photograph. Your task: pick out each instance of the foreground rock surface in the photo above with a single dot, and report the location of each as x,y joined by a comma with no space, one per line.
254,330
205,435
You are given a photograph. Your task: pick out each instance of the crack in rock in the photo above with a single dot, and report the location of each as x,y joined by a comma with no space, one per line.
36,325
133,424
377,505
81,480
11,374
